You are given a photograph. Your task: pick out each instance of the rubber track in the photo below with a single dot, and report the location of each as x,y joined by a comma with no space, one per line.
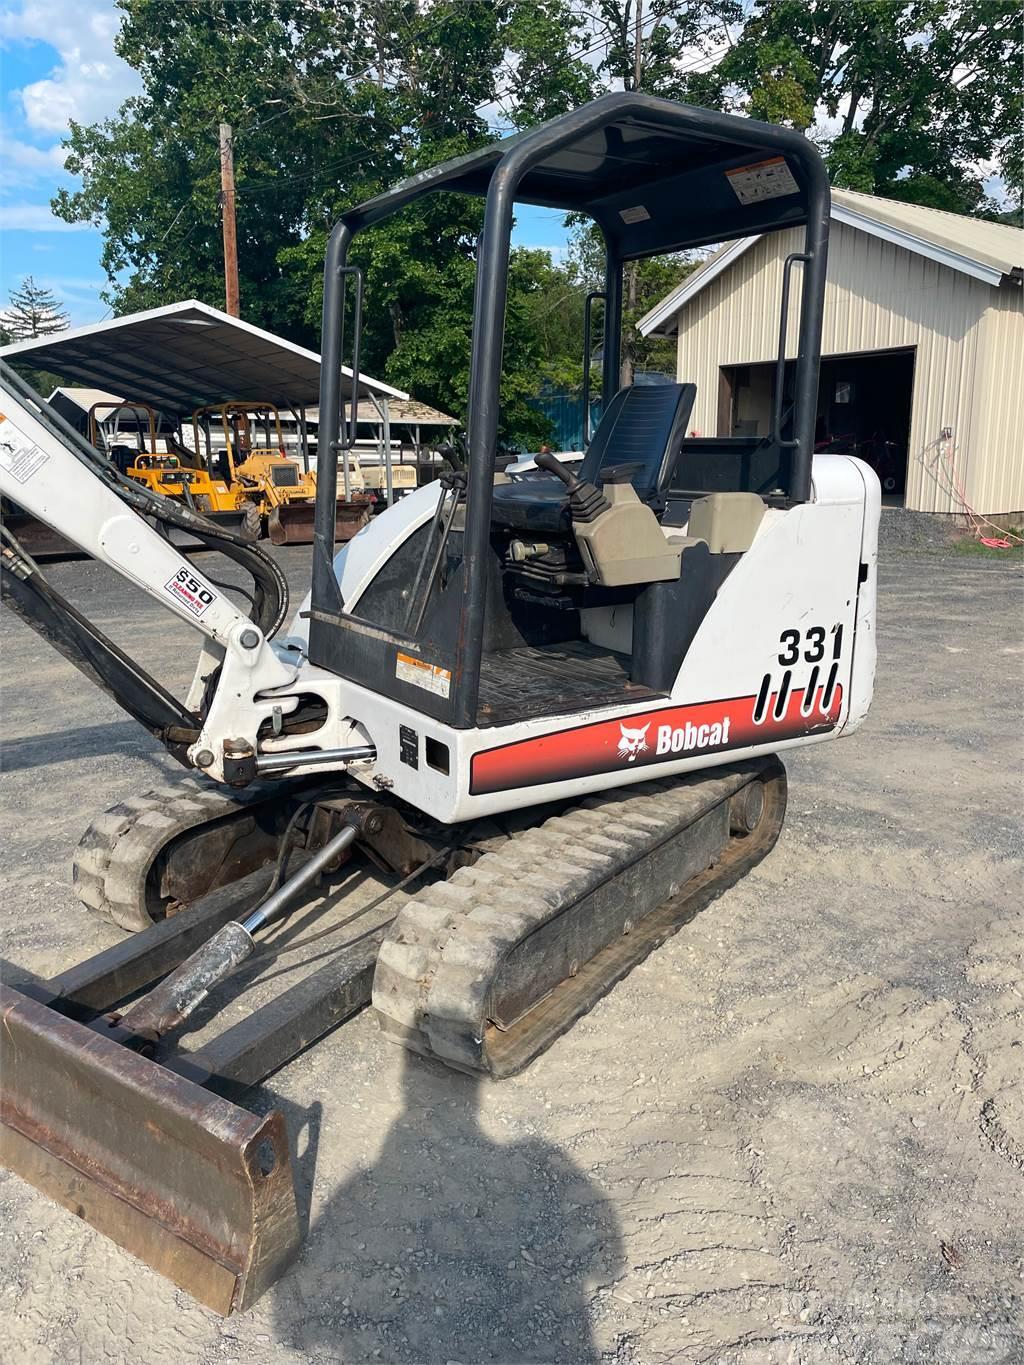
443,955
115,854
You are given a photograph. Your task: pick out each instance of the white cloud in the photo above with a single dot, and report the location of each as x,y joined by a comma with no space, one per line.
91,81
27,165
34,218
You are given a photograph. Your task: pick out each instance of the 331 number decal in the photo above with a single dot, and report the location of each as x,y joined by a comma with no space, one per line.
811,647
814,641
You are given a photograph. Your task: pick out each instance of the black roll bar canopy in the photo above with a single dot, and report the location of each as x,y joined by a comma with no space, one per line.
657,177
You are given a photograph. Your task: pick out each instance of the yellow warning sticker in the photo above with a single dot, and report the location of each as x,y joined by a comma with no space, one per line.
431,677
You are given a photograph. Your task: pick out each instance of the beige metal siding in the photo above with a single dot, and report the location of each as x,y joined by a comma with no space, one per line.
878,297
996,482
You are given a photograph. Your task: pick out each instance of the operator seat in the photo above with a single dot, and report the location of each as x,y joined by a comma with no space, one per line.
643,428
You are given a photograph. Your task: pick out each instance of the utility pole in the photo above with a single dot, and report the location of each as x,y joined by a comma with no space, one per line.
227,208
638,46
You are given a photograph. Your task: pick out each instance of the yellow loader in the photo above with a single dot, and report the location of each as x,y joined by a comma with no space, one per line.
254,457
156,458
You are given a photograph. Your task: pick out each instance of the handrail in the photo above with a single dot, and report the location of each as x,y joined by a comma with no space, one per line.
347,438
780,360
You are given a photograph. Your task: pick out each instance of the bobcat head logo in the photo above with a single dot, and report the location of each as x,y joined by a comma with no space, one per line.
632,742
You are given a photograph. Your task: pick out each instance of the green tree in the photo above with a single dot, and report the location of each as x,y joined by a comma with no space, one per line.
331,101
33,311
922,97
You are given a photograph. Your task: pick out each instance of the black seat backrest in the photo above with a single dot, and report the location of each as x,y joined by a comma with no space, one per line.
643,425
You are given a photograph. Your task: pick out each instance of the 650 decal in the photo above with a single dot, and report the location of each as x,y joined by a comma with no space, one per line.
810,646
190,591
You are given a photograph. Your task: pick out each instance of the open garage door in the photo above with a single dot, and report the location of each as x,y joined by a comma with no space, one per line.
863,409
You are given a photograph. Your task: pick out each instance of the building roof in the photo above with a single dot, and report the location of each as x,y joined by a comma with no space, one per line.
185,355
990,252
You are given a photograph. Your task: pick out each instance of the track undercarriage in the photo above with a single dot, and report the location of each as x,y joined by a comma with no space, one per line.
477,946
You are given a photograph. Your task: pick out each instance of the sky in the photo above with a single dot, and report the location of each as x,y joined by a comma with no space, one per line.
57,62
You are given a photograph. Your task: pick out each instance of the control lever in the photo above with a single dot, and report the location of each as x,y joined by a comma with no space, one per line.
585,501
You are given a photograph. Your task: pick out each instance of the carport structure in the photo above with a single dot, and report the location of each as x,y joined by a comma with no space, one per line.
189,355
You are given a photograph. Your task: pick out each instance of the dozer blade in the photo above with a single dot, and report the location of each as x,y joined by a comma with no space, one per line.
292,523
197,1187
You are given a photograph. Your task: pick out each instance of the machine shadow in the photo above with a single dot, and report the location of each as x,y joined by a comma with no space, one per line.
114,738
452,1246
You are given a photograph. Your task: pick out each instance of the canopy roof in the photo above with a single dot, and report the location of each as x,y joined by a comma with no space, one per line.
656,175
185,355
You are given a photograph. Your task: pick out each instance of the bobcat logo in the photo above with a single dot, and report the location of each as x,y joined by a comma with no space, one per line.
632,742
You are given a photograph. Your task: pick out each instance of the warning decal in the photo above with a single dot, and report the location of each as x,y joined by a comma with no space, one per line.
431,677
19,455
190,591
770,179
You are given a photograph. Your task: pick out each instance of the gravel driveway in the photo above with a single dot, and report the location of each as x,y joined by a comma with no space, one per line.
796,1133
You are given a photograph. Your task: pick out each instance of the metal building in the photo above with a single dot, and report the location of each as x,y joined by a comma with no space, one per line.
923,348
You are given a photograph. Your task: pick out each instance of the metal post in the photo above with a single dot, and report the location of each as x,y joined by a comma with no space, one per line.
612,327
808,359
389,477
325,586
484,404
304,437
384,444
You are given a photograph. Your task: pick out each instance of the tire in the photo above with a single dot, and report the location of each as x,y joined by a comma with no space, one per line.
252,522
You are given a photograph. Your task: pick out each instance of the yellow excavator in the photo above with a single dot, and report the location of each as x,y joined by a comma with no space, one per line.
253,459
138,440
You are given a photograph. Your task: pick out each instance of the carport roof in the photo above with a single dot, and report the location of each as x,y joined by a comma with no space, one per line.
185,355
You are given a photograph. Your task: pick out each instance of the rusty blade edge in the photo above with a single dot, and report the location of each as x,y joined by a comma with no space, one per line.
248,1228
94,1173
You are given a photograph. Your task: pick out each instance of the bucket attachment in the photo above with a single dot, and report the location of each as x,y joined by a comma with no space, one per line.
107,1109
292,523
197,1187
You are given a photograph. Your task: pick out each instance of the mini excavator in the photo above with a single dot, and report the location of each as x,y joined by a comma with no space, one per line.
546,705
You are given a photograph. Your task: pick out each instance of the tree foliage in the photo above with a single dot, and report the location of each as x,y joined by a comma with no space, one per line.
921,97
33,311
332,100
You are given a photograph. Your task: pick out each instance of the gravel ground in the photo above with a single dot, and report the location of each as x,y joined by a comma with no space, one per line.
796,1133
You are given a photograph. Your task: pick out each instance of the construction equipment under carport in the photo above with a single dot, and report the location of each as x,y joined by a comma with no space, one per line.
189,356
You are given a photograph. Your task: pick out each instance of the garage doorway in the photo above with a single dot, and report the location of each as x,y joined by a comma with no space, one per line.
864,404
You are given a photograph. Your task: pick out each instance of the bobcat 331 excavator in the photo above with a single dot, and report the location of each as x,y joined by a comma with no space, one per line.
547,706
